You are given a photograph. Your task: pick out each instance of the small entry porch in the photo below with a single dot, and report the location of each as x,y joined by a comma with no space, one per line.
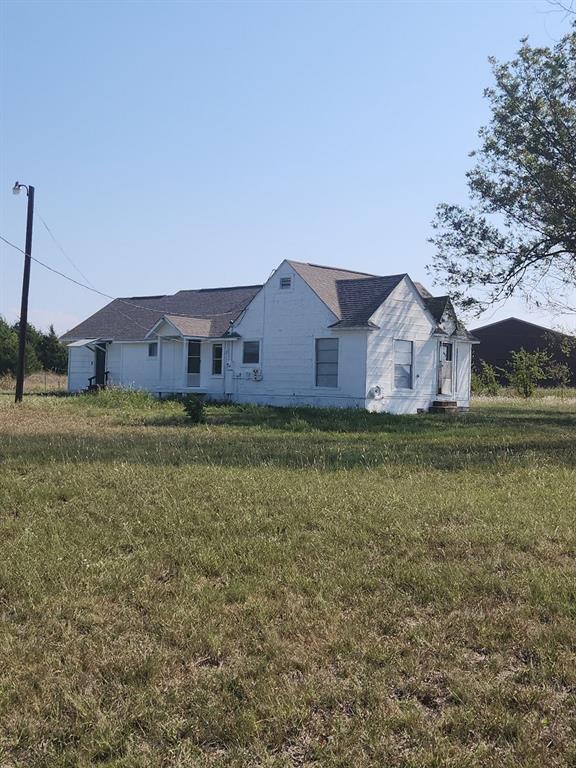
99,379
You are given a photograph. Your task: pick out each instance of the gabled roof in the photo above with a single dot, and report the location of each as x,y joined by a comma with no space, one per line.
353,297
359,299
437,306
191,326
441,309
130,319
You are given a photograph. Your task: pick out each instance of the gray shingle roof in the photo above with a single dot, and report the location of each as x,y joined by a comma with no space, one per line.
352,296
437,305
359,299
192,326
324,281
441,307
130,319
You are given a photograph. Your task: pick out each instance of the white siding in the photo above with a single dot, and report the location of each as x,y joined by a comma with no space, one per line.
137,370
287,323
170,364
114,364
80,368
130,366
401,317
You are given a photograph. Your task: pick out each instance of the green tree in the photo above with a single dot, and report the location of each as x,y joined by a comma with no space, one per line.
486,380
8,348
33,335
518,234
526,370
52,353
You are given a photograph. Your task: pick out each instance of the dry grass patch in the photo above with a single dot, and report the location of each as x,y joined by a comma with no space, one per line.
39,382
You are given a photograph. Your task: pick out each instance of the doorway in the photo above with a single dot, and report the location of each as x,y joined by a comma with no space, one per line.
100,367
446,368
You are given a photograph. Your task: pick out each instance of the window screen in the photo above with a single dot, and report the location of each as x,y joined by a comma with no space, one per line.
251,353
193,363
402,364
216,359
326,362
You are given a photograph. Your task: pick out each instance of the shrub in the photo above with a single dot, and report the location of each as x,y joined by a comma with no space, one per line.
485,382
559,374
194,407
526,370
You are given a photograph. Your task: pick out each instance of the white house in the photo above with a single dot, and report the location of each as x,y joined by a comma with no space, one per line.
311,335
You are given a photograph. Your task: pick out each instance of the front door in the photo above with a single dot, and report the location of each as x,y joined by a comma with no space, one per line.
194,360
445,368
100,367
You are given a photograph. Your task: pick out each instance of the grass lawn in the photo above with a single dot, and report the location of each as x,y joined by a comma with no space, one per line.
286,588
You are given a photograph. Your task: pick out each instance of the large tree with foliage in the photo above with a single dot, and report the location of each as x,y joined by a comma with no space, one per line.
42,350
52,353
518,234
8,348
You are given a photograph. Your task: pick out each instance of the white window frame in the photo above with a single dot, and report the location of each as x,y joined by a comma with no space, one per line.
155,345
218,375
453,371
315,372
199,374
252,341
412,378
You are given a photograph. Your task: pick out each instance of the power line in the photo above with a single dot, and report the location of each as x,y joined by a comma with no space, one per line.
57,272
132,304
94,290
62,251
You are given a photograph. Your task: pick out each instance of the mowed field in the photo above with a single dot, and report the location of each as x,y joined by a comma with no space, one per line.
286,587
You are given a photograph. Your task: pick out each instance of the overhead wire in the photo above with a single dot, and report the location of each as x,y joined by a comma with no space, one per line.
62,251
129,303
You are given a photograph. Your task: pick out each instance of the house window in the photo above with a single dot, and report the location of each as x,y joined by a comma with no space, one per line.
216,359
285,283
251,353
153,349
326,362
193,369
403,354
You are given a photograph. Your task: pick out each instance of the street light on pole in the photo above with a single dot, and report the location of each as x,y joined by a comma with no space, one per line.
16,189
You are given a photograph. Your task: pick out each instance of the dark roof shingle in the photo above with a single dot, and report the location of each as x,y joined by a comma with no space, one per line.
132,318
352,296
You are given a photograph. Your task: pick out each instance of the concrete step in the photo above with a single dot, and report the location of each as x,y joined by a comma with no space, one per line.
443,408
445,403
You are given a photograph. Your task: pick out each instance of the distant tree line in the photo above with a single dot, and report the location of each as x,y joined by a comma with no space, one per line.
44,351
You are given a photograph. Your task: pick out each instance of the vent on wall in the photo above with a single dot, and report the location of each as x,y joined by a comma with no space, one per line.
285,283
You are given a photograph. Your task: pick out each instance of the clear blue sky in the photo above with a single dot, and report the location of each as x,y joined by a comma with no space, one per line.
184,145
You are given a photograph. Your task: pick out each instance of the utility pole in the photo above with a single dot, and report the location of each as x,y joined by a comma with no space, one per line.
25,287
